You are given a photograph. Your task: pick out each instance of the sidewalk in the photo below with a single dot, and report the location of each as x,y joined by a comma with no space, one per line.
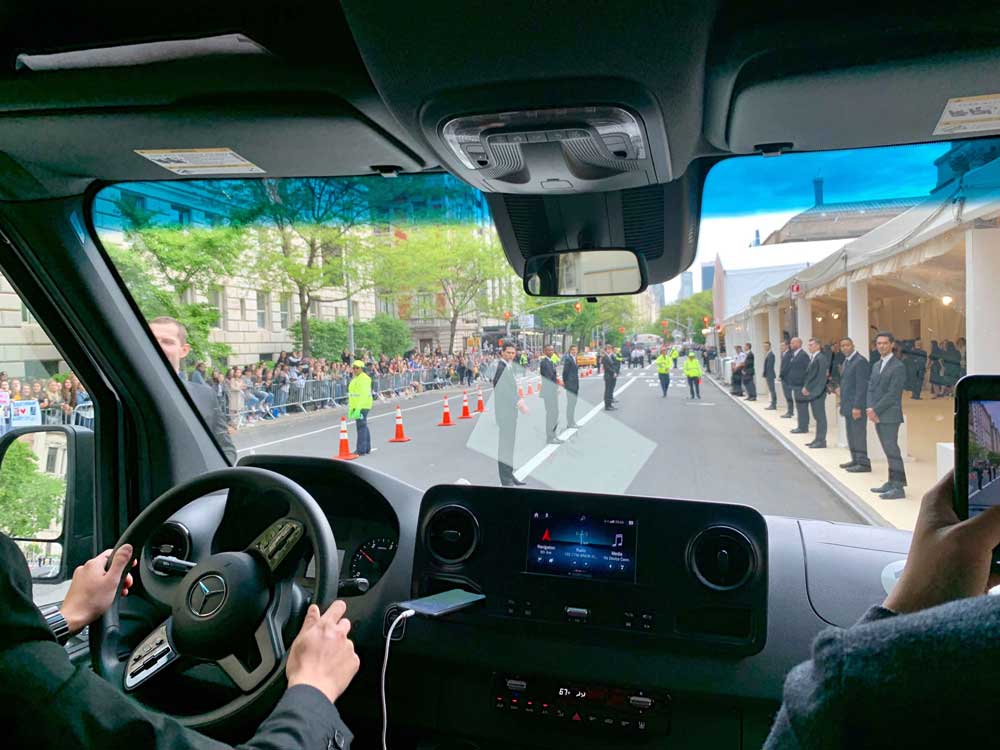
855,489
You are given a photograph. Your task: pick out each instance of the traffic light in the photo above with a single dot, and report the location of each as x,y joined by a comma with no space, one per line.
506,315
621,329
578,307
663,323
705,319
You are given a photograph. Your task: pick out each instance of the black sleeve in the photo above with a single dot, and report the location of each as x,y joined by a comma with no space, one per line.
862,372
220,428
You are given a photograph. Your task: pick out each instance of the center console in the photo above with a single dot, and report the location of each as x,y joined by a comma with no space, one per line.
627,572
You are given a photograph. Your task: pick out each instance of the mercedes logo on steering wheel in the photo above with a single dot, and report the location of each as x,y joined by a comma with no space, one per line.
207,595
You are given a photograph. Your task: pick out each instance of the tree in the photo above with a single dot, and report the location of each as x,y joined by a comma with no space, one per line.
380,335
606,315
30,500
677,315
320,234
454,260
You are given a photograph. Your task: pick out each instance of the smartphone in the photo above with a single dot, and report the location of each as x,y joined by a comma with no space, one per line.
977,447
443,603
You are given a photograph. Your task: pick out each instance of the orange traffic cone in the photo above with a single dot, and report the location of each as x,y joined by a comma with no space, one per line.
480,406
345,444
530,392
520,392
465,406
400,435
446,417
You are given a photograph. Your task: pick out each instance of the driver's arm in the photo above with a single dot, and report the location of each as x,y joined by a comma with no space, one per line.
47,702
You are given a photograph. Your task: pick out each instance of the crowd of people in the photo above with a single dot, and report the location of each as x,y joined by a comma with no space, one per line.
57,398
869,390
268,390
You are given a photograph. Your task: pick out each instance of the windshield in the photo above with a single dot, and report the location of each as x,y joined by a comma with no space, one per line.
378,320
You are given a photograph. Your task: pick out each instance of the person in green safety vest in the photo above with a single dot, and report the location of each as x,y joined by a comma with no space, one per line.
664,364
524,359
674,354
692,369
359,403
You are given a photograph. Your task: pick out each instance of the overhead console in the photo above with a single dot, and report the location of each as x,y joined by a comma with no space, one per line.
640,572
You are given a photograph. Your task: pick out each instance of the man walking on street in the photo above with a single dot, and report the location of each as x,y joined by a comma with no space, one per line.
693,372
885,410
610,376
796,379
663,366
550,393
853,402
506,404
813,392
359,403
749,373
571,381
769,376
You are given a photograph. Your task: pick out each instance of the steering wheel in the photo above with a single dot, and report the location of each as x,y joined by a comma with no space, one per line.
228,601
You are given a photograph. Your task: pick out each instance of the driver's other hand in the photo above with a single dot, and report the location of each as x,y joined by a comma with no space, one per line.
93,589
322,654
949,559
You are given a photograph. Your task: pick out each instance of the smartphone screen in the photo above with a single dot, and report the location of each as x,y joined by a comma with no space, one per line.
982,450
443,603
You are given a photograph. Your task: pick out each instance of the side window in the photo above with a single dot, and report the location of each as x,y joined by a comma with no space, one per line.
37,388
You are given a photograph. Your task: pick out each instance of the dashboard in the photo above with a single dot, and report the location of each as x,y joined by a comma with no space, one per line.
606,618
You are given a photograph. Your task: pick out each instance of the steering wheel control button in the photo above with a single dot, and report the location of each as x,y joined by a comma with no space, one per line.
577,614
278,540
149,657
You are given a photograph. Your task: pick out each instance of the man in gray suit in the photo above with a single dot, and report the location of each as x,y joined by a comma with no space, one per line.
853,402
171,335
885,409
812,395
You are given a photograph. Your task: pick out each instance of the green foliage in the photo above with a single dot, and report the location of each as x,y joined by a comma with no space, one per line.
677,314
993,458
30,500
380,335
608,314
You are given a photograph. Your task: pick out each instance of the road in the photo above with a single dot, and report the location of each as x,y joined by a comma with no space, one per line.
710,449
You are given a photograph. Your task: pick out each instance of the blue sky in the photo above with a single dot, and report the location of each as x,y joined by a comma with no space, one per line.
758,184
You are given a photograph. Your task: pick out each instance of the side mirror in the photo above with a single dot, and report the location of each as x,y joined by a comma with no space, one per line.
46,497
585,273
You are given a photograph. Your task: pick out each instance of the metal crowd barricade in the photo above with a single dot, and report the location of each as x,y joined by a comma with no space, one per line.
83,415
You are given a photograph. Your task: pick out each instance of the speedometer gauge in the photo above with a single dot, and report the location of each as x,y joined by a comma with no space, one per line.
372,558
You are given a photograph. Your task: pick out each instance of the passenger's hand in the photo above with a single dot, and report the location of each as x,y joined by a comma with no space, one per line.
855,413
949,559
872,415
93,589
322,655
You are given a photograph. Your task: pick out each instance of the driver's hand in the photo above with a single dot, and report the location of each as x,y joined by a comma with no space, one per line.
93,590
322,655
949,559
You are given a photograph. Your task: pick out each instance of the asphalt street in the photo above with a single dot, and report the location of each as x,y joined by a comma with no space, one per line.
663,447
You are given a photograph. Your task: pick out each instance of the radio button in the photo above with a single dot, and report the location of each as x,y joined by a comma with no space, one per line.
641,702
517,685
578,614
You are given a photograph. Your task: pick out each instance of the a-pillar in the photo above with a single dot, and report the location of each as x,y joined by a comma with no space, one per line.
804,319
858,329
982,303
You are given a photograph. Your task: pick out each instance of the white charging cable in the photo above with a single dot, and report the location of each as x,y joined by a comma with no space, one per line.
385,665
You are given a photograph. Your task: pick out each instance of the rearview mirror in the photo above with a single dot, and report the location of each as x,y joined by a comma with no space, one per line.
585,273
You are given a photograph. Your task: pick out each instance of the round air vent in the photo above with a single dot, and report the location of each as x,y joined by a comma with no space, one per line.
722,558
452,534
172,540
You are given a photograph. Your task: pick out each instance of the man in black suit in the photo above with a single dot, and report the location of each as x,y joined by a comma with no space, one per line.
506,403
885,409
769,376
571,382
550,393
610,377
786,388
919,356
47,702
813,392
853,403
795,376
749,373
171,335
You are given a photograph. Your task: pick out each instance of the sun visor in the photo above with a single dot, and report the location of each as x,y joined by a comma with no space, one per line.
65,151
858,107
658,221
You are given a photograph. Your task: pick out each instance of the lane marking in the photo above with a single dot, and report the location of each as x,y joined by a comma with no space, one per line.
535,461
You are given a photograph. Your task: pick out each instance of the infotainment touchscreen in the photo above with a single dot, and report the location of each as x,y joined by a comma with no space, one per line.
581,546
